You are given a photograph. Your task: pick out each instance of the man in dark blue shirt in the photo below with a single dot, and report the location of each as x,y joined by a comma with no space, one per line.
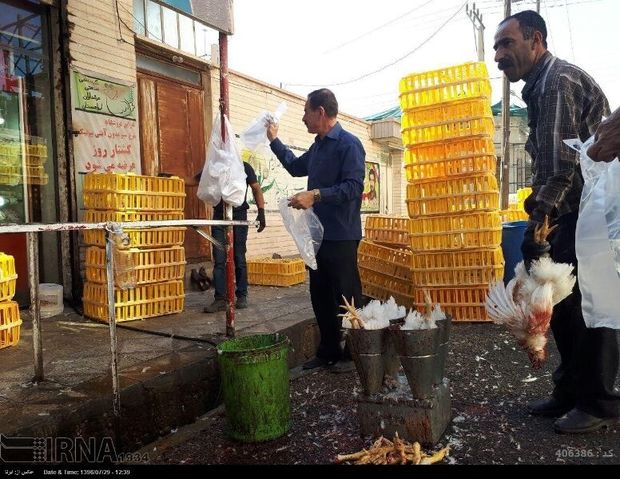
334,165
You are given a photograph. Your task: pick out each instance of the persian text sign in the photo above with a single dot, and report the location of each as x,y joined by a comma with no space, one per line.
104,141
96,95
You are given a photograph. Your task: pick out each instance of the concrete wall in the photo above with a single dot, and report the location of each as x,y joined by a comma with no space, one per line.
96,44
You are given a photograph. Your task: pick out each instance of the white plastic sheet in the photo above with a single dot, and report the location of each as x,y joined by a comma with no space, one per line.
223,175
305,228
255,135
598,242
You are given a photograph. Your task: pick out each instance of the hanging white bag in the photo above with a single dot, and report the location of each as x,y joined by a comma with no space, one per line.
223,176
597,241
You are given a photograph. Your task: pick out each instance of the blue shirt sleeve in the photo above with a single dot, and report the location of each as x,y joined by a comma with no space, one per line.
296,166
353,170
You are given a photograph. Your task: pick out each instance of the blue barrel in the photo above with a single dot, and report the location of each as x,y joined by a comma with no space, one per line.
512,237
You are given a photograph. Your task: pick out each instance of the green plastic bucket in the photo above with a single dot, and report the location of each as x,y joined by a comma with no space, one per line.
255,383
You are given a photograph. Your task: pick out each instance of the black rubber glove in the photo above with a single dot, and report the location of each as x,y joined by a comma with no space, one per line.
530,249
261,219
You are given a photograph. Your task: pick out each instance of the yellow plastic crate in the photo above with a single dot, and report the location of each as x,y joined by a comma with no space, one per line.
147,301
463,304
380,286
111,191
462,231
273,279
265,264
452,74
476,165
268,271
388,230
446,113
460,82
513,215
7,266
478,267
461,148
140,238
8,277
439,132
382,259
10,324
453,195
148,266
131,183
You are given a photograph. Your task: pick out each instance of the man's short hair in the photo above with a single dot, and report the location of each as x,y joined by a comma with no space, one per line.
530,22
326,99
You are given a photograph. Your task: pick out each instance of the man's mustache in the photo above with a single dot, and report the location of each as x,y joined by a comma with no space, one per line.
503,64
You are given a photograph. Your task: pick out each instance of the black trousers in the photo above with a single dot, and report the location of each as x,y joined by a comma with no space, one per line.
336,275
589,356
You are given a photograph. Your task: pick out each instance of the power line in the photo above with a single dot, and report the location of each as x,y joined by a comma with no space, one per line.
389,64
398,18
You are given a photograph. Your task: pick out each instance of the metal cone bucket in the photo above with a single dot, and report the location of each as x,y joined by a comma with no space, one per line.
367,347
418,355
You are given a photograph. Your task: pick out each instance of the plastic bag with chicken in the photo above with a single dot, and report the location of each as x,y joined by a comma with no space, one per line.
525,304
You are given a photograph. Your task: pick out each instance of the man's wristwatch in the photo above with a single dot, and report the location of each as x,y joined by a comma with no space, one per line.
317,195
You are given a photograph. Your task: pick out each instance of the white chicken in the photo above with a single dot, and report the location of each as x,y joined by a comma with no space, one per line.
525,305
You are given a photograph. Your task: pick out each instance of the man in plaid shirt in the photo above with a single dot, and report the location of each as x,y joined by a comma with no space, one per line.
563,102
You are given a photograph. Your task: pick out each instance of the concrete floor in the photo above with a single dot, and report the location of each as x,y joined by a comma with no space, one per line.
167,367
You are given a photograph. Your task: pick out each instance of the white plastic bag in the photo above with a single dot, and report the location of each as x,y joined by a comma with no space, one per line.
255,135
223,176
305,228
597,242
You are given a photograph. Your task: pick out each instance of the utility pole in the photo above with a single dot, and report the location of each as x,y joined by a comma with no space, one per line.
537,6
505,164
476,19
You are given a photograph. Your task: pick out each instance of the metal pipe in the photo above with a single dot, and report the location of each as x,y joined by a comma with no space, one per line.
38,228
228,211
116,395
35,309
505,166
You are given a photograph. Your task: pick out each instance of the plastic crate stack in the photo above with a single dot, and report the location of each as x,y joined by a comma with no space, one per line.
276,271
452,192
10,321
155,258
516,210
385,261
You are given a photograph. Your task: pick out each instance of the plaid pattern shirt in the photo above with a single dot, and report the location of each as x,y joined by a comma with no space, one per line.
563,102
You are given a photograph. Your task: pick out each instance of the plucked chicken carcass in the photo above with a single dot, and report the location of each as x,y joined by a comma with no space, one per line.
525,305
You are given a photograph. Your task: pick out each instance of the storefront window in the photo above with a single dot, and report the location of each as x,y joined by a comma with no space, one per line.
27,192
27,164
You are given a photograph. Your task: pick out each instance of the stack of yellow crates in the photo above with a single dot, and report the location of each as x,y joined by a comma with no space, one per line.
155,258
10,322
452,195
385,261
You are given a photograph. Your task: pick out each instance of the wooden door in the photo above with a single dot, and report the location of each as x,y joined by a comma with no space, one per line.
173,141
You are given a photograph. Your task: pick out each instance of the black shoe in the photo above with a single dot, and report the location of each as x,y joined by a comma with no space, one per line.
342,366
242,302
580,422
316,363
548,408
215,306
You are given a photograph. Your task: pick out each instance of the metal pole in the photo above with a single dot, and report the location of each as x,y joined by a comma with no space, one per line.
112,323
537,6
476,20
505,171
35,309
228,212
